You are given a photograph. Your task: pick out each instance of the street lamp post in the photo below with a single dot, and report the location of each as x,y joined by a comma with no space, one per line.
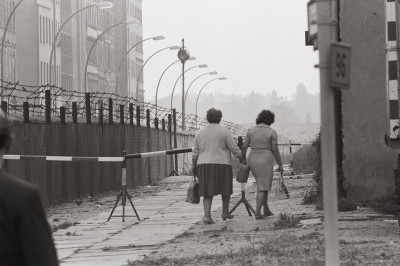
222,78
183,55
3,39
158,85
173,90
127,22
155,38
141,71
100,5
210,73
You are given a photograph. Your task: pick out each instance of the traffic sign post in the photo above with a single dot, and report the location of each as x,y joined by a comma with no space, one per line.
340,55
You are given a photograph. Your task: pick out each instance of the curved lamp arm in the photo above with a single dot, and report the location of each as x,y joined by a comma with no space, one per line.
141,71
127,52
202,90
160,80
56,37
211,73
173,90
94,44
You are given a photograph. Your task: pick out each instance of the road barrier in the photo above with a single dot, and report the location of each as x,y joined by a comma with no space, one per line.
124,193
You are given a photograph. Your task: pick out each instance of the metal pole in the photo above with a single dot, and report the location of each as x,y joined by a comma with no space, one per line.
326,34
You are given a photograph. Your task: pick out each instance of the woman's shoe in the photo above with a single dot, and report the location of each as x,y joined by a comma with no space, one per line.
207,220
268,213
227,216
259,217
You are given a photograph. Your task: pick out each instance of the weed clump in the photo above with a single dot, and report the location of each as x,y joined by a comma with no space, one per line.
286,221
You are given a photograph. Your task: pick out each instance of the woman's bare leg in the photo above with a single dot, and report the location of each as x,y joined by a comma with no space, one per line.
207,201
260,198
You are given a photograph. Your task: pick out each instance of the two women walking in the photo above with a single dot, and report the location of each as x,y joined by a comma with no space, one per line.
213,146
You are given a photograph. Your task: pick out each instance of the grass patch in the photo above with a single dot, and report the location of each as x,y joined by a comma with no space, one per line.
286,221
284,249
63,225
185,234
386,205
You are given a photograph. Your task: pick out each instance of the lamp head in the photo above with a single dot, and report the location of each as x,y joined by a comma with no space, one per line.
192,58
203,66
104,5
132,22
223,78
213,73
158,38
175,47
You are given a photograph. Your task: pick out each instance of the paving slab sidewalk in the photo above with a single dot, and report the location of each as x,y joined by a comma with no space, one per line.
164,216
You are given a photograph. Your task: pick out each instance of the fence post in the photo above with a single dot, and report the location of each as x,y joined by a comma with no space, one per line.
147,118
156,123
163,124
88,111
149,140
47,105
4,106
26,112
131,113
74,112
110,111
175,140
101,112
138,116
62,115
121,114
170,142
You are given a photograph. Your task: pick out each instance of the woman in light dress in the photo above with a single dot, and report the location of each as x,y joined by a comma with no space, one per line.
263,141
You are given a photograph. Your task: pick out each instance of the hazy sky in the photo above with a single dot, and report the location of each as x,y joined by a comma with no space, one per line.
256,44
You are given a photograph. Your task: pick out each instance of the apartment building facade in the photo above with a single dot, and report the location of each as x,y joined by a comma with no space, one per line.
32,34
10,43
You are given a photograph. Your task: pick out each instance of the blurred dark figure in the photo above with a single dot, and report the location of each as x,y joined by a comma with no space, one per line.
25,237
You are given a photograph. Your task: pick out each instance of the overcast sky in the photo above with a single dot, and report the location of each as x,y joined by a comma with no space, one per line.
256,44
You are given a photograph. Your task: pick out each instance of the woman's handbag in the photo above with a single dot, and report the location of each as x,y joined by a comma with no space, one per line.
243,173
193,195
281,191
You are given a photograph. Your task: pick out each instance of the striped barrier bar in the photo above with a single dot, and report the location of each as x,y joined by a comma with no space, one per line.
63,158
97,159
392,64
157,153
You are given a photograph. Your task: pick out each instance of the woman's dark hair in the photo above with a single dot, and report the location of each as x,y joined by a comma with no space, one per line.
214,116
266,117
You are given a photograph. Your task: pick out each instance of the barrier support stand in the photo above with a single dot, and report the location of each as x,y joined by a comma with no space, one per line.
243,189
124,194
244,200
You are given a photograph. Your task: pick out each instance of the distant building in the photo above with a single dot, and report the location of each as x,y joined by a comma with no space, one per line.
10,43
32,32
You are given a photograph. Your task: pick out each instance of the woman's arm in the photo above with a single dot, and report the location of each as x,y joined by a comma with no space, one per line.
277,156
275,150
244,153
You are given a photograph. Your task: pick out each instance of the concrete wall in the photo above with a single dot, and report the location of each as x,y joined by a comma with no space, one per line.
368,163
